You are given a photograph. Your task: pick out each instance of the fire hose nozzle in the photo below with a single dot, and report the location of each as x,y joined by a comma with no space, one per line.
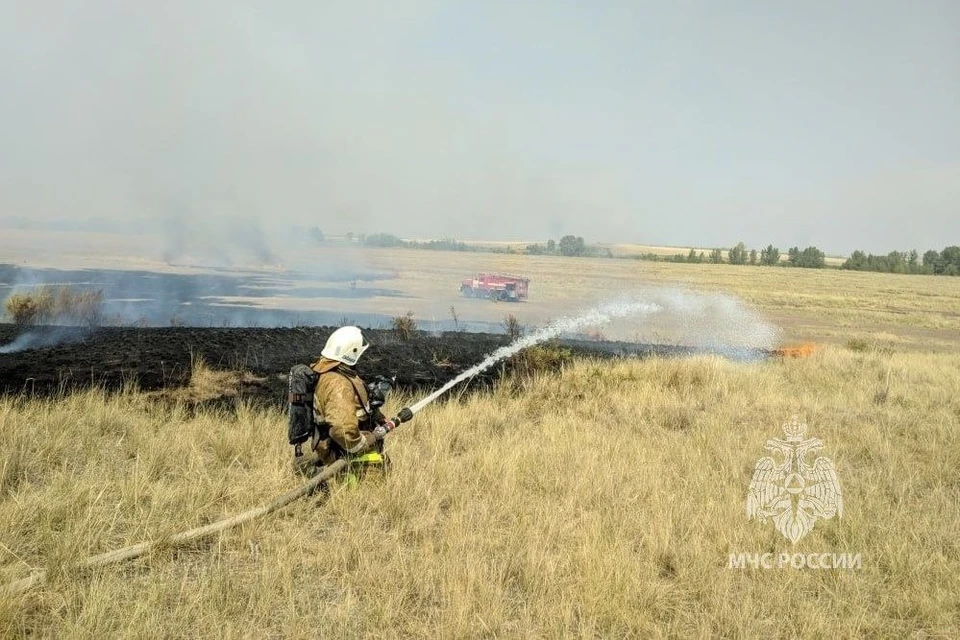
382,430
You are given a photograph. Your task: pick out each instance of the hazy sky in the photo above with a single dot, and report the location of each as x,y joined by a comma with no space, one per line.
827,123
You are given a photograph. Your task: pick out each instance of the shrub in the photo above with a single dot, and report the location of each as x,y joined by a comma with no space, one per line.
47,304
405,325
545,357
512,326
21,308
82,307
382,240
857,344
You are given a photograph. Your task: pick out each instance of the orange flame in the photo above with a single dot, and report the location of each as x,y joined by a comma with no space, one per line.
796,351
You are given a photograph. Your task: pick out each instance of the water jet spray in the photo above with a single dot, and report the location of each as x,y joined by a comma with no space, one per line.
598,315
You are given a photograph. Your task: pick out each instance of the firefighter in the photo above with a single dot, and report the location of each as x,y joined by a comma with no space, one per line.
342,407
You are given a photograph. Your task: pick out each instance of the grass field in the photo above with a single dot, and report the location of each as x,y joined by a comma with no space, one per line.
810,305
596,501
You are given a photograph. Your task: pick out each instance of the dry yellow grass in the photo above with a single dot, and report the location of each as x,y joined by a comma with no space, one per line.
811,305
206,383
597,500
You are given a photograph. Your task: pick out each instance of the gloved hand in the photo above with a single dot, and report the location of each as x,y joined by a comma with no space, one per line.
370,440
384,428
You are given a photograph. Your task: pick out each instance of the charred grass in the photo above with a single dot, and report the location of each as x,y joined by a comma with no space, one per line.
593,499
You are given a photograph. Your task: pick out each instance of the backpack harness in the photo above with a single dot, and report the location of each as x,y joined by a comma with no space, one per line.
301,423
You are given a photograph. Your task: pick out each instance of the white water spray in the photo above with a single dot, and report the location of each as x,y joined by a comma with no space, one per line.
600,314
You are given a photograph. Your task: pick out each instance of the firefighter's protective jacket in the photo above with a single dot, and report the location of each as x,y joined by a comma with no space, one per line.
340,400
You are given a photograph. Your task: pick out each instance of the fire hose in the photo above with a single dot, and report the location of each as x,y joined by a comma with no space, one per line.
137,550
598,315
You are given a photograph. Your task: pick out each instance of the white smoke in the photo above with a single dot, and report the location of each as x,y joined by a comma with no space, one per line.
40,338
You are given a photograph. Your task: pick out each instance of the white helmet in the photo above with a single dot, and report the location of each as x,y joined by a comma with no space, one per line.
345,345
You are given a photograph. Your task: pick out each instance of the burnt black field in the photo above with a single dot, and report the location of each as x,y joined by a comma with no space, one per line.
149,298
67,358
139,345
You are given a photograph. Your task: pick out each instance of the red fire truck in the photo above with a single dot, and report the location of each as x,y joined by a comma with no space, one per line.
496,287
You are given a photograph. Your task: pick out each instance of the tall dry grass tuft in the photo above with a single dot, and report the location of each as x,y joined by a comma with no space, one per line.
22,309
404,326
598,500
56,304
206,384
512,327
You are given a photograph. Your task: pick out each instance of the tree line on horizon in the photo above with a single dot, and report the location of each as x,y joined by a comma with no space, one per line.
946,262
808,258
932,262
569,245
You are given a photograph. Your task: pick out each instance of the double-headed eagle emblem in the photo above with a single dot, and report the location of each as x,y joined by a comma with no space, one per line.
792,492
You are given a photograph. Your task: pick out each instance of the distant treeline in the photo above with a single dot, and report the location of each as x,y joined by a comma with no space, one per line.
388,240
946,262
809,258
573,246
